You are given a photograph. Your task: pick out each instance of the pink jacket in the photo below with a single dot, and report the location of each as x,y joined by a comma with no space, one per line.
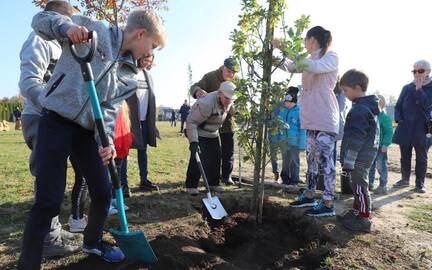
318,104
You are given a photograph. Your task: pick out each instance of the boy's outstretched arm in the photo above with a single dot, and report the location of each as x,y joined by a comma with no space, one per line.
52,25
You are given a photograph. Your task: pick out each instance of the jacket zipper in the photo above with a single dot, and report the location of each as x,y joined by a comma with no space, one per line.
96,83
55,84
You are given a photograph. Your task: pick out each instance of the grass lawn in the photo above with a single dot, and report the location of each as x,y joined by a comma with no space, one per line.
167,167
174,222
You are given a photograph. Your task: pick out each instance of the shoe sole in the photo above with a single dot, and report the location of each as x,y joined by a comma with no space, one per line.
401,186
99,255
321,215
303,205
76,230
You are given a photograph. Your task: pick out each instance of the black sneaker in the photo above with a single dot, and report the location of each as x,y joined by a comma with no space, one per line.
419,189
358,224
401,184
148,186
303,201
126,191
349,214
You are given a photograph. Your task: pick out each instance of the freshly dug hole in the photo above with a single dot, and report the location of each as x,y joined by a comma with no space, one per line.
237,242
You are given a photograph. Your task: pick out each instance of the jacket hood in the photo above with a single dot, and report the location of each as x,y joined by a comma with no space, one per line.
369,101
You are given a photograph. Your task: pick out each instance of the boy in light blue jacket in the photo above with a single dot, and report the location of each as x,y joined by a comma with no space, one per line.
67,126
294,137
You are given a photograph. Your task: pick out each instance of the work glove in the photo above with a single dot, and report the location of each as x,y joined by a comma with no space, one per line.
194,148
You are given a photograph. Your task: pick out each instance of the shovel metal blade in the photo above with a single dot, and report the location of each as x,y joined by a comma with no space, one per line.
215,208
135,246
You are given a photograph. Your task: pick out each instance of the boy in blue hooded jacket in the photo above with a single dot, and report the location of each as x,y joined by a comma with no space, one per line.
293,136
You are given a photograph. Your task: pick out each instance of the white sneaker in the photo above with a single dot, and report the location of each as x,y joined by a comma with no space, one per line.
113,208
77,225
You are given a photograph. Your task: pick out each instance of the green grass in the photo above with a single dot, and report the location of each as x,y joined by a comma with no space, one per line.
167,167
422,217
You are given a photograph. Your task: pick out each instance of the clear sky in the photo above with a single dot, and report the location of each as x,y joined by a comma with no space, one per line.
382,38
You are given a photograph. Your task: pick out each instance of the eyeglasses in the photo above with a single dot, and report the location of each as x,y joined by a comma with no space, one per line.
419,71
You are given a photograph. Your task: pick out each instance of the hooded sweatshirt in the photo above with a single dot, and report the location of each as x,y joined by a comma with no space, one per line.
66,92
361,133
318,103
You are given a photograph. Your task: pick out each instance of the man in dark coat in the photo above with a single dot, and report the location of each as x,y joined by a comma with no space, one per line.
210,83
412,113
142,112
184,111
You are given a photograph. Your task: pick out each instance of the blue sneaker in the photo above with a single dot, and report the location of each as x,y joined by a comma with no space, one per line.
303,201
105,251
321,210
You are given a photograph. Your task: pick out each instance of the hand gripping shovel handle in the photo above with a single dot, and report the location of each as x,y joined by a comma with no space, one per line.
204,176
87,74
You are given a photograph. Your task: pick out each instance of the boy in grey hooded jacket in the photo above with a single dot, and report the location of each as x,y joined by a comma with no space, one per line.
67,124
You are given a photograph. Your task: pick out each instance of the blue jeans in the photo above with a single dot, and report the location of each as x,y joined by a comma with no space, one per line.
57,139
121,164
142,154
275,147
291,165
380,163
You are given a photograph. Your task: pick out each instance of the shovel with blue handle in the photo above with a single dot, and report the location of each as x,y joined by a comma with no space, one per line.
133,243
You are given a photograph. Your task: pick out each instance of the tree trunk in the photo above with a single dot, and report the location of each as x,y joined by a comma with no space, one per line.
258,191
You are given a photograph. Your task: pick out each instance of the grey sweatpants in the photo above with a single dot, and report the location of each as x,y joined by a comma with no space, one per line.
320,154
30,124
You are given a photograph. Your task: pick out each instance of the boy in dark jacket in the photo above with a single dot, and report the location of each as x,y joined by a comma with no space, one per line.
359,147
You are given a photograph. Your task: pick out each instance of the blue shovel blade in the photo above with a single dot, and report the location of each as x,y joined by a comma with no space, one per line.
135,246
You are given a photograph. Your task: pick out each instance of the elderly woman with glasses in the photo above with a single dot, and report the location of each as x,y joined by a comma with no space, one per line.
412,114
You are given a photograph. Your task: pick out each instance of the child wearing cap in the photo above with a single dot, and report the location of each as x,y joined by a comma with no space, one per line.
380,162
202,125
293,136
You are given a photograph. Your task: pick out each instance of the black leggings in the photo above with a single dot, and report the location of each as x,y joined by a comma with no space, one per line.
79,192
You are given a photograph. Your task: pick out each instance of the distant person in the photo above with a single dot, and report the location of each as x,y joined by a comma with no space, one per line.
184,112
412,113
142,107
380,163
17,115
173,118
210,83
38,59
203,123
319,115
359,147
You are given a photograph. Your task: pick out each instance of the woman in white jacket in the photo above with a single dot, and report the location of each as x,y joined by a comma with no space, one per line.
319,115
